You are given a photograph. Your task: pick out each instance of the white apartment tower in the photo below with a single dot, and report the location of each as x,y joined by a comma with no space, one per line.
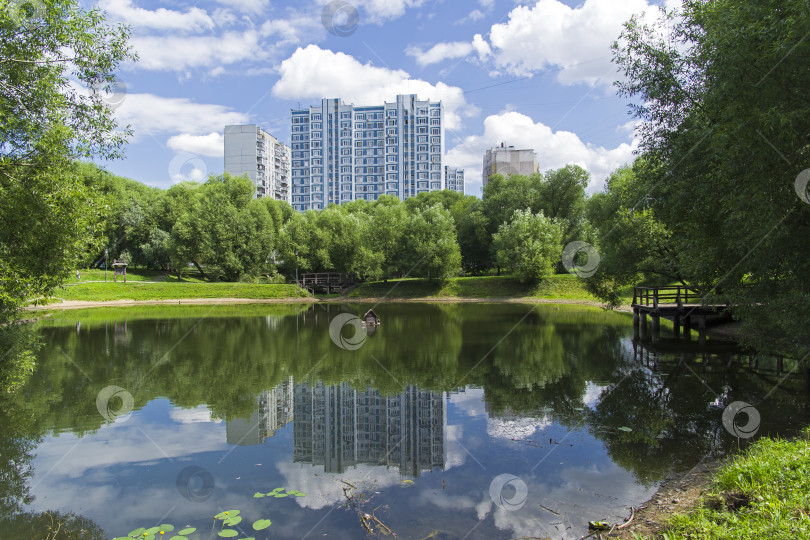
342,153
266,161
508,160
454,179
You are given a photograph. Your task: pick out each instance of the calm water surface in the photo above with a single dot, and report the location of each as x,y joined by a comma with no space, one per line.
415,427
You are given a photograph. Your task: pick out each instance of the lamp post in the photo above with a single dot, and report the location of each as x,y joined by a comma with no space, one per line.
105,264
296,267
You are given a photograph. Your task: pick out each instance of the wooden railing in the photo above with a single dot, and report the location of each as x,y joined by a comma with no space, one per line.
655,296
331,279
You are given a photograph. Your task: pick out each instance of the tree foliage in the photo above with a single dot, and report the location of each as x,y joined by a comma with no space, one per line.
530,245
49,213
721,92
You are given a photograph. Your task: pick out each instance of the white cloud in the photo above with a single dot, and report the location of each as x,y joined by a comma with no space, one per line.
247,6
150,114
554,149
175,53
440,52
193,20
551,34
211,145
378,11
315,73
481,47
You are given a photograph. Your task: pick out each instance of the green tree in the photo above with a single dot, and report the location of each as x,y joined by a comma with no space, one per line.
430,248
562,197
634,245
721,92
475,241
50,215
529,245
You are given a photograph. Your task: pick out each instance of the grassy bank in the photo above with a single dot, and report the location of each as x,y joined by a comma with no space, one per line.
139,290
557,287
762,493
145,285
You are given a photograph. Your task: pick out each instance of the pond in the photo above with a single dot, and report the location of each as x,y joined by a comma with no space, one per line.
446,421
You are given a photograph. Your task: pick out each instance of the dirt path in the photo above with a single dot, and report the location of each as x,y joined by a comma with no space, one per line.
84,304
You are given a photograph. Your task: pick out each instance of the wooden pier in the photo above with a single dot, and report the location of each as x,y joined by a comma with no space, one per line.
682,305
328,282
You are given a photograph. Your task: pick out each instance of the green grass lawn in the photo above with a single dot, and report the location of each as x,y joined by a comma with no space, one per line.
763,493
557,287
138,290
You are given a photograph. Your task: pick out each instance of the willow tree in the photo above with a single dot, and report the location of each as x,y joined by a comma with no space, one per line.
720,87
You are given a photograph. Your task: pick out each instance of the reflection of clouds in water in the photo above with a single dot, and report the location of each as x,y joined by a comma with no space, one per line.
454,453
592,393
470,401
196,415
516,428
585,494
326,489
120,445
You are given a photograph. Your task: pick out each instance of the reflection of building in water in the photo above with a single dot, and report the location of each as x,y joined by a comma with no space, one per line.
274,411
338,427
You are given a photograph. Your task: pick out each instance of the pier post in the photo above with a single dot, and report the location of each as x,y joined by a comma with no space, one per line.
702,330
635,323
643,325
656,327
676,326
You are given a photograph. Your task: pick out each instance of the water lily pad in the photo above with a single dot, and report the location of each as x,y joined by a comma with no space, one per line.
227,513
122,538
187,531
231,521
136,532
166,527
258,495
280,495
300,494
261,524
626,429
228,533
178,537
277,490
151,530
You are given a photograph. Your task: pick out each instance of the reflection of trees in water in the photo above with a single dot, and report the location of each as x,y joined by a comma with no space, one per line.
51,525
17,443
225,362
674,405
528,359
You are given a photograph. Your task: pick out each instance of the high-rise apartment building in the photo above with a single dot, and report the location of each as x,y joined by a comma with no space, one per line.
274,410
341,152
508,160
266,161
454,179
340,427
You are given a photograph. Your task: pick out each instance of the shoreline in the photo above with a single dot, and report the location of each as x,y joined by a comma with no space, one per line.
680,493
86,304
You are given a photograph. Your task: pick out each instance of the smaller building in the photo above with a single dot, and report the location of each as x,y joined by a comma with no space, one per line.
252,151
454,179
508,160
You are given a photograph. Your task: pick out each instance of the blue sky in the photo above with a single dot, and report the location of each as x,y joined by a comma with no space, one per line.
534,75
